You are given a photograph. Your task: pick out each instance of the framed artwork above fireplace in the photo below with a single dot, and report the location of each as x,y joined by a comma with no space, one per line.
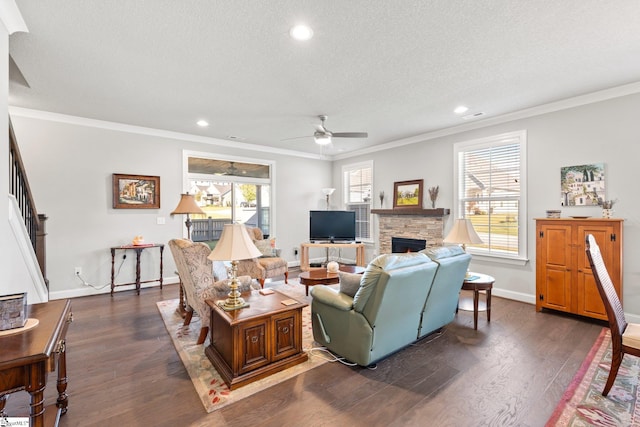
407,194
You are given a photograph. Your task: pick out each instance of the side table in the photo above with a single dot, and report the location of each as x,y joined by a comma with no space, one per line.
138,250
27,357
253,342
477,282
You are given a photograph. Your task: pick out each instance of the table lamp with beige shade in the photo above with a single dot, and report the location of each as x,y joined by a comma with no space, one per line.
234,245
188,205
463,233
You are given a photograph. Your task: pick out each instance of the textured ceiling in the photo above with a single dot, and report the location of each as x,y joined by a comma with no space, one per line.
394,69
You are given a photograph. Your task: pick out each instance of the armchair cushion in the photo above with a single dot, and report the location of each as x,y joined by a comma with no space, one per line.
349,283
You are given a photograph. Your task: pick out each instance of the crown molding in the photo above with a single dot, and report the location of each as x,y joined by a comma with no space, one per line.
11,17
590,98
122,127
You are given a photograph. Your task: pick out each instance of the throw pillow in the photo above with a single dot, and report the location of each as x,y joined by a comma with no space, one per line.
264,246
349,283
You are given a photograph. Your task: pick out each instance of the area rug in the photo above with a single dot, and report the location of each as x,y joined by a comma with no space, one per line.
213,392
583,403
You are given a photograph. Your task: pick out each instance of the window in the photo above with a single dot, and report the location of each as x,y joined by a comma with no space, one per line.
228,190
357,182
490,183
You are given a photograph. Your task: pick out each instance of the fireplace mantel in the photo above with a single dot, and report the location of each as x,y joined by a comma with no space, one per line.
412,211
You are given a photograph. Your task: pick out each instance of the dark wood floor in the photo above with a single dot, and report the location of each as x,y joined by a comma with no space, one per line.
124,371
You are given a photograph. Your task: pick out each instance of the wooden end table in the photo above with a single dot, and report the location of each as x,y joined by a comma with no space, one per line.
477,282
27,357
253,342
138,250
320,276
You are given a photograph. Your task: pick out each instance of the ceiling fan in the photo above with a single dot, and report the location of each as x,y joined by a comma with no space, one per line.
323,136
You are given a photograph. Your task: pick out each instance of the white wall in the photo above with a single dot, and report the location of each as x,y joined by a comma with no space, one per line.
70,166
70,169
606,131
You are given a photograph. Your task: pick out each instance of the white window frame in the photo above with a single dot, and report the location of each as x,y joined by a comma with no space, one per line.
495,141
186,176
345,193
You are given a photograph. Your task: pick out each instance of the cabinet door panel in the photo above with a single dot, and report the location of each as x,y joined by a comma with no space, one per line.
589,300
286,335
557,245
557,289
254,351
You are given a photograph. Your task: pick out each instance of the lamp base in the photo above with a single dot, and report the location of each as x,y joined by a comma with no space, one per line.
230,304
234,302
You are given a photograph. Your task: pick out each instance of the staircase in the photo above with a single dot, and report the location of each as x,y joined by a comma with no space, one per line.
28,227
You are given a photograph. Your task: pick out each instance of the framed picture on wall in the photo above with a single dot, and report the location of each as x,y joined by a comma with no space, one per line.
136,191
407,194
582,185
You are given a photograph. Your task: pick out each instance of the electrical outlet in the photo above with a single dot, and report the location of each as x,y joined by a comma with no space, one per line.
78,271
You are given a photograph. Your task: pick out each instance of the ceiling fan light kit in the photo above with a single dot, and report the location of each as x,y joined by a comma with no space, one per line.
322,139
322,136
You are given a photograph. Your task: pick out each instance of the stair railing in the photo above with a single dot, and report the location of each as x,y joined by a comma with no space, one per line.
19,188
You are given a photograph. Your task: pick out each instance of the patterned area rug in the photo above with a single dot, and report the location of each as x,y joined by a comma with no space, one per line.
213,392
583,403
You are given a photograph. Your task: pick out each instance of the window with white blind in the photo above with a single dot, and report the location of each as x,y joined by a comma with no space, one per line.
489,175
357,183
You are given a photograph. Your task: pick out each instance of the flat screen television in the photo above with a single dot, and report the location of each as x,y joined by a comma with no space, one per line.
332,226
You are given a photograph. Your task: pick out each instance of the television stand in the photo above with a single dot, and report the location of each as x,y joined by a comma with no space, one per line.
304,252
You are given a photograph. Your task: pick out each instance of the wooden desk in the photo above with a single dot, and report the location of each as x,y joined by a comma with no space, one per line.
138,249
253,342
482,282
304,252
27,357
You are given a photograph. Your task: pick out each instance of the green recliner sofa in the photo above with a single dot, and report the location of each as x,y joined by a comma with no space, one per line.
401,298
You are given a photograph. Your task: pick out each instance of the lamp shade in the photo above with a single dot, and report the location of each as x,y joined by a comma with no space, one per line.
463,232
234,244
187,205
328,191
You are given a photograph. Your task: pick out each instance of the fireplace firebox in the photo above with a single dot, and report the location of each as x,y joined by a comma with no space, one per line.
402,245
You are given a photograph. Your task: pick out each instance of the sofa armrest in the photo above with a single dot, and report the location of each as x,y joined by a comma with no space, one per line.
332,298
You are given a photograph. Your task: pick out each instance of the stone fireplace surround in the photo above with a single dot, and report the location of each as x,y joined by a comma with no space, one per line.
426,224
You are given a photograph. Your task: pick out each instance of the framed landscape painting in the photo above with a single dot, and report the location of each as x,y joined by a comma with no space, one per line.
136,191
407,194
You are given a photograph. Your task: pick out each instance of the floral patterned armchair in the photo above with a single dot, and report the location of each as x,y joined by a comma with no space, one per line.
268,266
202,279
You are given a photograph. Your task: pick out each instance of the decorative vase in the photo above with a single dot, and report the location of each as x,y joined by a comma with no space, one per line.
607,213
332,267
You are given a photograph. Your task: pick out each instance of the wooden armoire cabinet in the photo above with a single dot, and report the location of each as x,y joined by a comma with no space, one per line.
564,280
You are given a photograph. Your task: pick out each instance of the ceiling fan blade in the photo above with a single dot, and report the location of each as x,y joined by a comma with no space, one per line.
350,134
297,137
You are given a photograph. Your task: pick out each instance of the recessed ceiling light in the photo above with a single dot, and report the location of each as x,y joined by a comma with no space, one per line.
461,109
202,123
301,32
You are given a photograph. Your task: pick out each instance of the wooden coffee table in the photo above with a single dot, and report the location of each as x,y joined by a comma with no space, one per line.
320,276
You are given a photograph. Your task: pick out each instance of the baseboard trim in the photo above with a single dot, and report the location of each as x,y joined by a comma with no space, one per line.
516,296
89,291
